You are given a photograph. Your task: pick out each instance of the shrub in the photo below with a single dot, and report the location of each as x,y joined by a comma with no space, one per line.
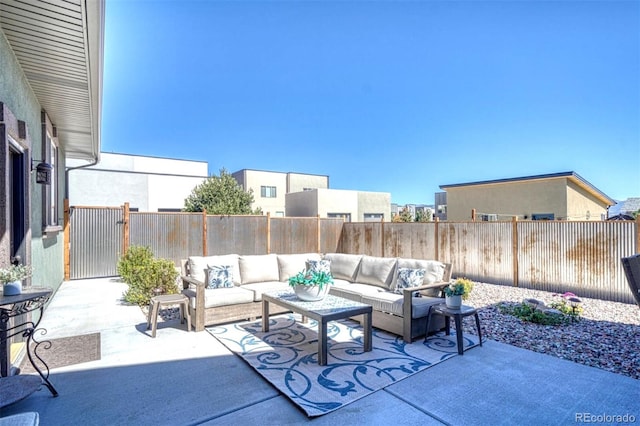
529,313
146,276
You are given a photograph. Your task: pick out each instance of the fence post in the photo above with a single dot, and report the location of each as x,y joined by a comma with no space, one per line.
318,235
473,215
436,238
514,222
125,228
638,234
67,239
205,249
268,232
382,235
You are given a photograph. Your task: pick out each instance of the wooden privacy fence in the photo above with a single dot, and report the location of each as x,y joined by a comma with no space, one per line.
97,236
557,256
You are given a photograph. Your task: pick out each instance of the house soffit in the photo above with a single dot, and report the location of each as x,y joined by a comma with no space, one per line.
59,46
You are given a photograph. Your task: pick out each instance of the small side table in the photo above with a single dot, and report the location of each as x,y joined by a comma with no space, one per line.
15,387
457,315
167,299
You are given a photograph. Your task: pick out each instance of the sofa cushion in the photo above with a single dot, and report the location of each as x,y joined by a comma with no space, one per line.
408,277
433,272
376,271
344,266
258,268
352,291
322,265
264,287
214,297
198,265
219,276
290,264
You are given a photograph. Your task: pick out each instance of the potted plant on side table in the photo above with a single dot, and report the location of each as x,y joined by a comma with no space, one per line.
12,277
456,291
311,285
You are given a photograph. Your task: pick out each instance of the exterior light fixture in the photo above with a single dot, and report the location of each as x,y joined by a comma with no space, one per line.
43,172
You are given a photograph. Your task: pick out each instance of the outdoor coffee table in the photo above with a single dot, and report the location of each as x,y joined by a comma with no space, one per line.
330,308
457,315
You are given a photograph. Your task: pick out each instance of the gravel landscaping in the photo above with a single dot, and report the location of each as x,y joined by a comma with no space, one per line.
607,336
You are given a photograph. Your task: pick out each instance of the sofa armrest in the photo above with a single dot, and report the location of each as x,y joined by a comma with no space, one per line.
190,282
407,306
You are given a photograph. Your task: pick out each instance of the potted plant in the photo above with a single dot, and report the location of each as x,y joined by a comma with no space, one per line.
456,291
11,278
311,285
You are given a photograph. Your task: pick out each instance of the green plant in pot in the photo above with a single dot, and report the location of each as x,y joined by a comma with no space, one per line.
456,291
310,285
12,277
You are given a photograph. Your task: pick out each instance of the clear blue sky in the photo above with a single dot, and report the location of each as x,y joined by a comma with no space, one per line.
391,96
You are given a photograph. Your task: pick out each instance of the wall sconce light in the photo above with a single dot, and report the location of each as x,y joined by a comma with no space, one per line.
43,172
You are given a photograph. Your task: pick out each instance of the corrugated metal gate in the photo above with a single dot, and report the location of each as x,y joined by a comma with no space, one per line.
95,241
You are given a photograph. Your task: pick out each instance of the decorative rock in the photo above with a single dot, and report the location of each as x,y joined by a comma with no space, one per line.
606,337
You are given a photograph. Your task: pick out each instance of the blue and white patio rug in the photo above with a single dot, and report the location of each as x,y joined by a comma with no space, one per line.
287,357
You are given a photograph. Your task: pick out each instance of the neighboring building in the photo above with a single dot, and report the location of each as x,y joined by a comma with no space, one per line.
270,188
440,205
558,196
352,206
51,71
148,184
625,208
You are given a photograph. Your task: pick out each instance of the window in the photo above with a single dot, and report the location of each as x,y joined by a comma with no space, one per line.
279,214
345,216
268,191
542,216
373,217
50,192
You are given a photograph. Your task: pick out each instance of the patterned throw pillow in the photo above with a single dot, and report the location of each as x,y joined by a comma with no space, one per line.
323,265
219,276
408,278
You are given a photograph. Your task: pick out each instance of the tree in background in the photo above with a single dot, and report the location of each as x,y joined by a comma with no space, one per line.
403,216
423,216
220,195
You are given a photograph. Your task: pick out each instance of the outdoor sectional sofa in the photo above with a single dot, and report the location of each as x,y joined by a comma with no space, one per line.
368,279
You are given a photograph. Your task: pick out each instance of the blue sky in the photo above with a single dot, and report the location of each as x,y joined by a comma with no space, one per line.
391,96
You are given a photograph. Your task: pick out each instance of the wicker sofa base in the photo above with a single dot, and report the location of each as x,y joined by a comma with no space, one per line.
230,313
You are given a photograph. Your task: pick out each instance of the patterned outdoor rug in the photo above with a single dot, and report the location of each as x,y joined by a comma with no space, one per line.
287,357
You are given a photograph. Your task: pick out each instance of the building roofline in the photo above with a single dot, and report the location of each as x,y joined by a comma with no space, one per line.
573,176
282,173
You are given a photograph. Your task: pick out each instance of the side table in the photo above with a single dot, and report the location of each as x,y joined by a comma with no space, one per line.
457,315
13,306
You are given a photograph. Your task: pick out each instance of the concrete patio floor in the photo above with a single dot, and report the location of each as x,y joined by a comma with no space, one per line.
182,378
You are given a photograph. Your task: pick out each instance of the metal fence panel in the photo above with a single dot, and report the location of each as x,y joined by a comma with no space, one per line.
236,234
581,257
294,235
95,241
410,240
480,251
173,236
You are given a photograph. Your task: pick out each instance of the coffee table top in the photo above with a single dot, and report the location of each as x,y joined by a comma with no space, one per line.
330,304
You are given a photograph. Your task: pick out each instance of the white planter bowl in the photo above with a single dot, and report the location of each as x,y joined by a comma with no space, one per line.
13,288
311,293
453,302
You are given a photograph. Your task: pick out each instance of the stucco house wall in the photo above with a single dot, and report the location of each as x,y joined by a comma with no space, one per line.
566,195
21,104
326,202
146,183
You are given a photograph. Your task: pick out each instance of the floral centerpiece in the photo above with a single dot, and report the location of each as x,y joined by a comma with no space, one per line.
311,285
11,278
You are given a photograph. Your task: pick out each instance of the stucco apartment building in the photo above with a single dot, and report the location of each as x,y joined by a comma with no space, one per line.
557,196
308,195
148,184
